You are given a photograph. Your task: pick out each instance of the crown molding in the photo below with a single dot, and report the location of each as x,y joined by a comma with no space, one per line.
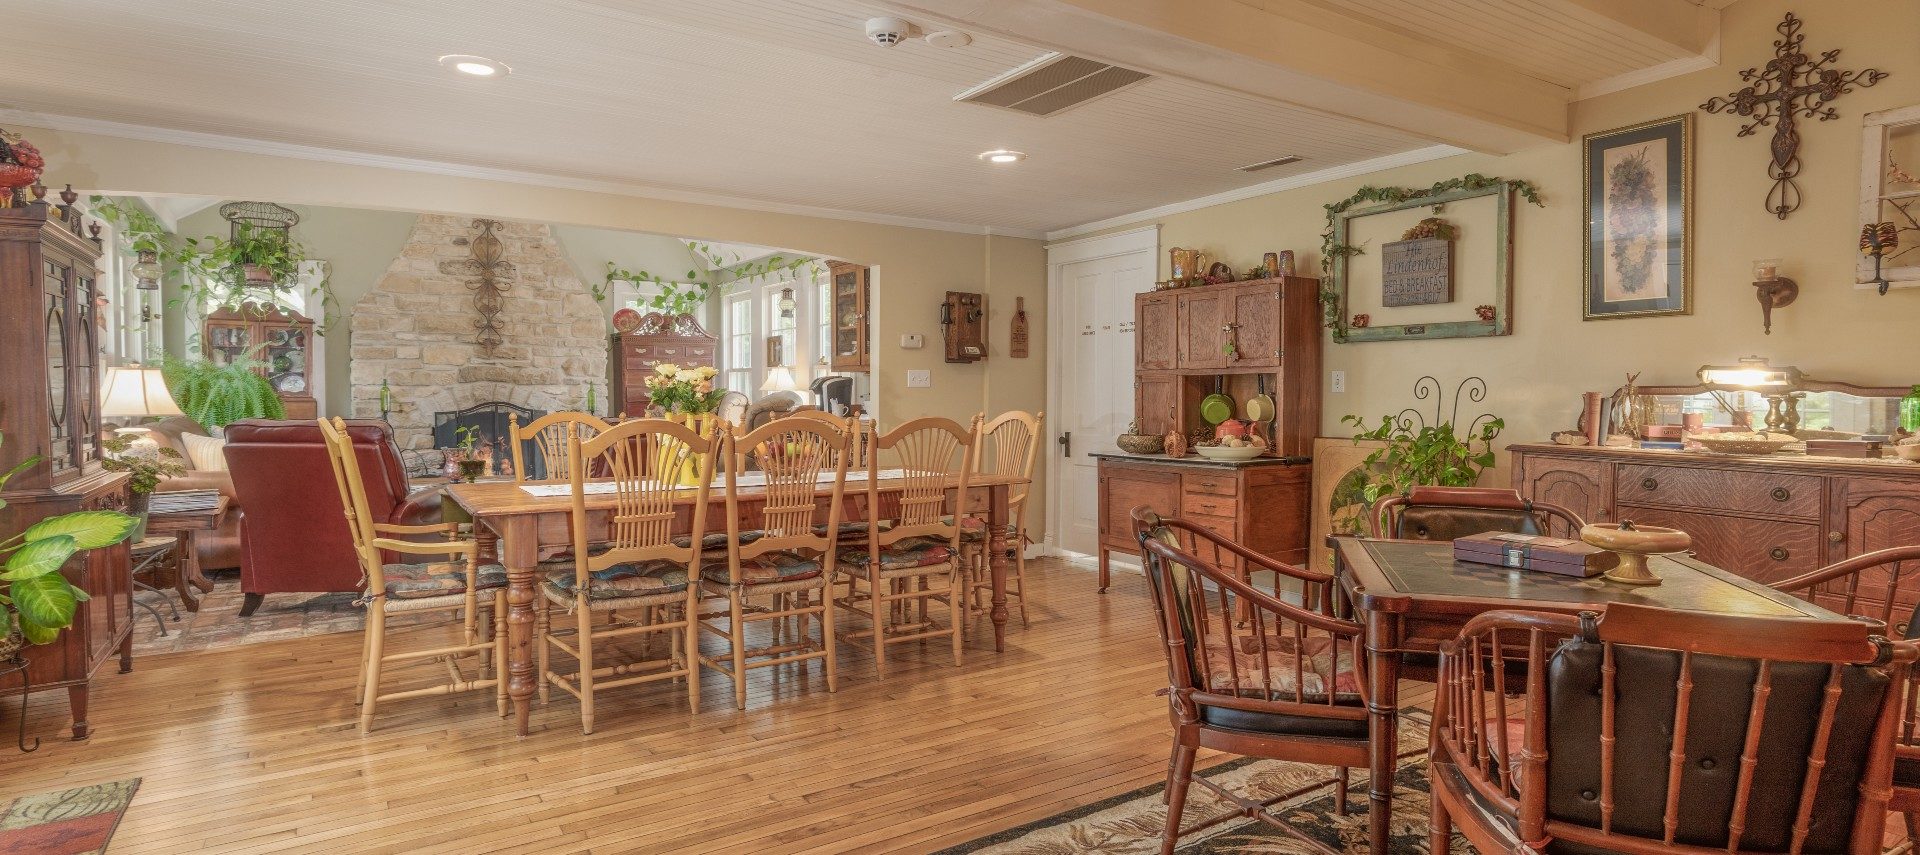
1305,179
245,145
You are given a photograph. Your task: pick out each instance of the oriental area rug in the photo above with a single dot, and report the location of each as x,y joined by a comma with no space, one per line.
69,822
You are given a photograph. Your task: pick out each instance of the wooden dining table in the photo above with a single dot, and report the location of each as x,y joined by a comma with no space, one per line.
515,524
1412,596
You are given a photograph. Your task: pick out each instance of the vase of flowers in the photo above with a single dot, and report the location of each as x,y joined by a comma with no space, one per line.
684,395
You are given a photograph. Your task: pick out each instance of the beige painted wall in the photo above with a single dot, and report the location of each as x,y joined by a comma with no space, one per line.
1536,375
914,267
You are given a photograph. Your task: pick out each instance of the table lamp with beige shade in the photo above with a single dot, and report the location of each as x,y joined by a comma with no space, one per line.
136,391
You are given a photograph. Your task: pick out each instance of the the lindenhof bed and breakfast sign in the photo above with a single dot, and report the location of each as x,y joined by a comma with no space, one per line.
1416,272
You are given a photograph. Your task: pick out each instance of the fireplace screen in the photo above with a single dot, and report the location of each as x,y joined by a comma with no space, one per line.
489,422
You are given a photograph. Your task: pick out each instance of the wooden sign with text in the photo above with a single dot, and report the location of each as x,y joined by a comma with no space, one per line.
1416,272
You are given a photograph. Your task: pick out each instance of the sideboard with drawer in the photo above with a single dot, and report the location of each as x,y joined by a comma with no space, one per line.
1768,518
1259,503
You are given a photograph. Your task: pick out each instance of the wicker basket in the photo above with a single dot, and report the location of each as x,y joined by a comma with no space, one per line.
1140,443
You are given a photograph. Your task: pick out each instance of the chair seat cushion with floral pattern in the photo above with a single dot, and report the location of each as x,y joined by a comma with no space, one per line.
974,529
438,579
1273,675
632,579
777,566
906,554
852,528
564,555
718,539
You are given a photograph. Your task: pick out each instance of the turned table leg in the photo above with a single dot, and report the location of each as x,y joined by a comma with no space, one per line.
999,562
186,566
520,553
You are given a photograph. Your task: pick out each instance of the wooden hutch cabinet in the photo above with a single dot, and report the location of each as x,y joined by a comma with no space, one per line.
1768,518
1241,339
676,339
279,339
50,342
852,300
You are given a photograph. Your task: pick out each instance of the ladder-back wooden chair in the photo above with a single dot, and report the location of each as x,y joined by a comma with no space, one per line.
456,583
1249,673
1882,586
1667,731
550,436
640,578
1445,513
911,539
1009,444
776,562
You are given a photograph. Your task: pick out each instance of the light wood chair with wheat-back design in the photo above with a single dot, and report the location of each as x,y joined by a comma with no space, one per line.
1879,586
1009,444
912,540
550,435
775,551
859,435
1667,731
457,583
640,578
1249,673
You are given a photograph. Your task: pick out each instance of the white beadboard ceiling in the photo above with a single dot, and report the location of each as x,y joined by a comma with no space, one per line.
782,102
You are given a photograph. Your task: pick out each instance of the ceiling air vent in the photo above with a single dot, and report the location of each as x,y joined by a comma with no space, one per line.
1269,164
1052,83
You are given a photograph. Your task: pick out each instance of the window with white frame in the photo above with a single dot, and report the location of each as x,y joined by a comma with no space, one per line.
823,326
737,330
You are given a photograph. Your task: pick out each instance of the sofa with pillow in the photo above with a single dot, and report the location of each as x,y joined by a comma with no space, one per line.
206,466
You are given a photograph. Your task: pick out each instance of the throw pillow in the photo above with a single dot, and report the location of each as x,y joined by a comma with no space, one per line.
208,454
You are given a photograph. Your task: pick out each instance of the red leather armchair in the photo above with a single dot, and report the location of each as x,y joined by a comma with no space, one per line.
294,538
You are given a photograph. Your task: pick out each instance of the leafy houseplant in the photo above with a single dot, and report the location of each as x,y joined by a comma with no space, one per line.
1431,455
466,453
145,466
218,395
34,596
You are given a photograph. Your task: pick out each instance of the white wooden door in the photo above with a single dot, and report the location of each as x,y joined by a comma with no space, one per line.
1096,381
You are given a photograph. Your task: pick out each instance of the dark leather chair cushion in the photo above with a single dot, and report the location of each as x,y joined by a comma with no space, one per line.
1646,689
1289,725
1435,522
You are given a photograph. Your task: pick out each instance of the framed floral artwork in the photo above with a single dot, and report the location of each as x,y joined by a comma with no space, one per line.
1638,187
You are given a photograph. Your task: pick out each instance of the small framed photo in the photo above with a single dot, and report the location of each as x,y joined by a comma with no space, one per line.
1638,184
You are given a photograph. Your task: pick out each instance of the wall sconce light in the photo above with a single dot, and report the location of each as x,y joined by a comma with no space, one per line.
147,271
1772,290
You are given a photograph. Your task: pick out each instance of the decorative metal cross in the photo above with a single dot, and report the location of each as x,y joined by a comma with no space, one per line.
489,284
1791,87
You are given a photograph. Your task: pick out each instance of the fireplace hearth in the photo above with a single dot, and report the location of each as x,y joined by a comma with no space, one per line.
490,421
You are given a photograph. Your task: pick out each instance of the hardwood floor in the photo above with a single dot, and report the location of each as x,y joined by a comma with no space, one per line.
254,749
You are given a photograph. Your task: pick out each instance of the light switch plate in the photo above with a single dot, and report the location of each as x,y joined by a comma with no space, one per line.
919,379
1338,383
912,341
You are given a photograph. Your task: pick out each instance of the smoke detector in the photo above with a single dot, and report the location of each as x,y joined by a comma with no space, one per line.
887,32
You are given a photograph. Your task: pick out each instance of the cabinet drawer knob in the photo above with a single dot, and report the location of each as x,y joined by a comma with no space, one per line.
1779,553
1781,494
1649,484
1835,537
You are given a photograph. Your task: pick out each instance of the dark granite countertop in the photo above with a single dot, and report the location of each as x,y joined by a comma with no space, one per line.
1197,460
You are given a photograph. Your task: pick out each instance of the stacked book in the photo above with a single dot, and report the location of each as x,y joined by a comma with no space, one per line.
183,501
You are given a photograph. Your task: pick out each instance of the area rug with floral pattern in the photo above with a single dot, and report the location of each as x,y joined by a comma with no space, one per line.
68,822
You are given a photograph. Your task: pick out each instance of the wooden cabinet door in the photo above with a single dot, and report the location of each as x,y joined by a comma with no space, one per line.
1123,489
851,325
1156,402
1255,333
1582,486
1869,515
1204,315
1156,318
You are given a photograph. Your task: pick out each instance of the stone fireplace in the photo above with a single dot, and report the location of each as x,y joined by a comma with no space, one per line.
418,330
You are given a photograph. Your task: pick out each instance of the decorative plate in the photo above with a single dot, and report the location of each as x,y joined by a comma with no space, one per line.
626,320
292,384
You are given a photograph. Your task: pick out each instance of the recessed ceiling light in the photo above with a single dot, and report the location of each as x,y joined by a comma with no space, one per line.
478,66
1001,155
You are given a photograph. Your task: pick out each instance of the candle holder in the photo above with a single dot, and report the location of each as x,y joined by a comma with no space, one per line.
1772,290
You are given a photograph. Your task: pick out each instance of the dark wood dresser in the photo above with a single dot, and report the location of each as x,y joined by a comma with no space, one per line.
50,406
1767,518
676,339
1261,503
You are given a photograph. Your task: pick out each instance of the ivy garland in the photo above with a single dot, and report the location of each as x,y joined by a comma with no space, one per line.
1331,251
683,297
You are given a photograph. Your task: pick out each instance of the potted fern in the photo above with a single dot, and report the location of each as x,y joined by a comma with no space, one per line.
36,600
219,395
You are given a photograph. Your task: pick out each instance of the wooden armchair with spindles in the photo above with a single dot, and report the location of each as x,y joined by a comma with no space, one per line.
1649,730
1250,673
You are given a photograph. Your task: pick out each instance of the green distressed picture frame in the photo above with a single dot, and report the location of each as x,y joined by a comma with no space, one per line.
1473,326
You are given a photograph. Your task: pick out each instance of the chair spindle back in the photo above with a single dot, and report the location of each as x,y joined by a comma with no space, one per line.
552,436
934,456
353,500
642,459
795,457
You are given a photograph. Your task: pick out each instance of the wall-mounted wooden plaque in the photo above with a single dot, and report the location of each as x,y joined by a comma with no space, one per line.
1416,272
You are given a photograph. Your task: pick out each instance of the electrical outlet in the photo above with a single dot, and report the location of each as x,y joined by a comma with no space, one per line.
1339,382
919,379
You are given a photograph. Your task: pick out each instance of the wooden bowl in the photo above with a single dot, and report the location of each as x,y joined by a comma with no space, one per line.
1633,544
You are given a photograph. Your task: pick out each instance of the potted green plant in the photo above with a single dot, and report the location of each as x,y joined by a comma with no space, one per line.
37,600
145,465
218,395
1429,455
467,455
